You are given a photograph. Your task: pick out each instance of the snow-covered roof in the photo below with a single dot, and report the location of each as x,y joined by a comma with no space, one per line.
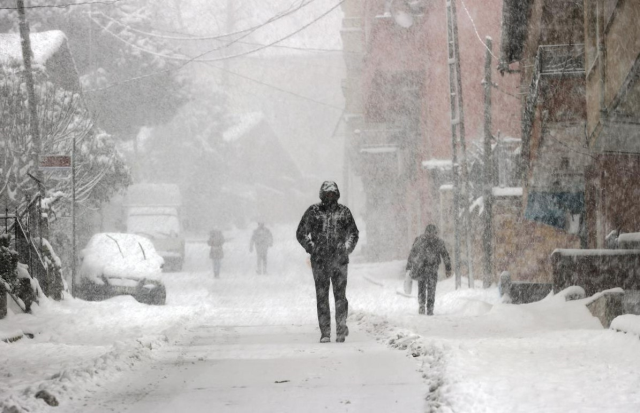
44,45
507,191
242,124
437,164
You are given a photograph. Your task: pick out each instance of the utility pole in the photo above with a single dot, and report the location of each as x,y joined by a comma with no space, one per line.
74,260
25,41
487,235
458,134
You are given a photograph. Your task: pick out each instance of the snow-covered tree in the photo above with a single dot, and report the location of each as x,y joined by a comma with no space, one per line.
127,81
63,118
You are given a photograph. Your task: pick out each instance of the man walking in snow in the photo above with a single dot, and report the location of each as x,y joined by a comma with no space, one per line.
329,233
262,239
424,260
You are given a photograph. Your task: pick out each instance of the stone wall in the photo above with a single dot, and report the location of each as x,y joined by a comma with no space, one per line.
596,270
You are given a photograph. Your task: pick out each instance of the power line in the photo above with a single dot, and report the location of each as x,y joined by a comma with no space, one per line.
275,87
197,38
66,5
224,35
476,30
198,57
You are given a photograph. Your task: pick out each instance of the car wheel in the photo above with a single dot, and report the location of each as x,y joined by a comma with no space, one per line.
155,296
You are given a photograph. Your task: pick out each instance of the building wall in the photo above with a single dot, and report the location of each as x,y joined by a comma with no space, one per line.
520,246
619,204
483,19
420,53
618,28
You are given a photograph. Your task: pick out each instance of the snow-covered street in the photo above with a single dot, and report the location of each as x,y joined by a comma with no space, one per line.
248,342
272,368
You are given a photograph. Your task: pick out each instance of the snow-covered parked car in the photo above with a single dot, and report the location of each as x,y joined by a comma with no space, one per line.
121,264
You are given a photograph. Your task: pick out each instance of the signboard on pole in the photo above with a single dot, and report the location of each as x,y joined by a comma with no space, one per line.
54,162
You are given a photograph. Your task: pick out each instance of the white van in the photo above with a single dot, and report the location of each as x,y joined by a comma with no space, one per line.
153,211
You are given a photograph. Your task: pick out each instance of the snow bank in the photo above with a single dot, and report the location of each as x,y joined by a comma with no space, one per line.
628,323
78,345
502,358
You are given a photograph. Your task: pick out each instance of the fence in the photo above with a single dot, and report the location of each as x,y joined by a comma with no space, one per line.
27,228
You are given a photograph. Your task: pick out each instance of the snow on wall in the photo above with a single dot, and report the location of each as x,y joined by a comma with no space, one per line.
508,191
437,164
44,45
594,252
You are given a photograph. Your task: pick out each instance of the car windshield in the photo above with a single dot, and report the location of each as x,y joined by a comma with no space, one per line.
118,246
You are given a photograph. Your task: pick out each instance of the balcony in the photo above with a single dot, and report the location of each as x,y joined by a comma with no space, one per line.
561,60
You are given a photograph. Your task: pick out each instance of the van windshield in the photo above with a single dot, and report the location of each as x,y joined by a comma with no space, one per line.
154,225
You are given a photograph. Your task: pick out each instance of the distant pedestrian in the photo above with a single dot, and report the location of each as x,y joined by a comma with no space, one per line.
424,259
329,233
262,240
216,253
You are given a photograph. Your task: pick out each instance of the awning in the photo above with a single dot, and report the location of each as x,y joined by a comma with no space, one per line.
551,208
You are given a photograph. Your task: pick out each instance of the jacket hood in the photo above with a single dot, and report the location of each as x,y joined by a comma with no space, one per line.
329,186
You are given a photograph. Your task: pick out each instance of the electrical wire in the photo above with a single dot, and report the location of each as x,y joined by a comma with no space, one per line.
274,87
63,6
194,37
476,30
222,36
198,57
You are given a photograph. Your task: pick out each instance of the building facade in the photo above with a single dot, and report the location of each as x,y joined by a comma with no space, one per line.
398,118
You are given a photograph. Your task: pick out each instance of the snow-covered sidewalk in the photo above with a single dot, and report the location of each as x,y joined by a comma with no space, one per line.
480,355
275,368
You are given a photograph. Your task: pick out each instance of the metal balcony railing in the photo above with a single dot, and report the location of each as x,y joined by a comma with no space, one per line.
562,59
551,60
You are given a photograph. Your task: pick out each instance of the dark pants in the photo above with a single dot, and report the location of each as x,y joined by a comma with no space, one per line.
327,272
217,263
262,262
427,292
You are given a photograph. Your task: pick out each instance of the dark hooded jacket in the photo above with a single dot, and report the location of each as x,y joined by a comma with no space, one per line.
427,252
327,229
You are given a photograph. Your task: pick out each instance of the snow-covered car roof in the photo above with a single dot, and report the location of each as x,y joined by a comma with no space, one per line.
120,255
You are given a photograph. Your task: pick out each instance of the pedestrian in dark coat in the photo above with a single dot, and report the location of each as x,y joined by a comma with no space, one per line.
216,253
262,240
424,259
329,233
